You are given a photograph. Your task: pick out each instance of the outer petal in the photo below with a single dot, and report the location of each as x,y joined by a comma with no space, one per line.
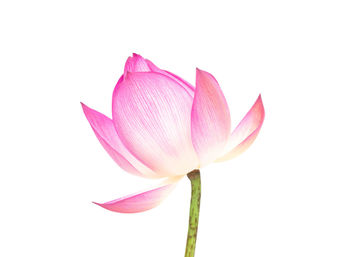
143,201
151,113
211,122
246,131
108,137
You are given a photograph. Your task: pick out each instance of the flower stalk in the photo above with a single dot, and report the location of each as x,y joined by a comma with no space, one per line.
195,179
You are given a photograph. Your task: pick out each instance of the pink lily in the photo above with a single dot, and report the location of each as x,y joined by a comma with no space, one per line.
163,127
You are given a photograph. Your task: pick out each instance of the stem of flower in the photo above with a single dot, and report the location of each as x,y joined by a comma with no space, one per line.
195,179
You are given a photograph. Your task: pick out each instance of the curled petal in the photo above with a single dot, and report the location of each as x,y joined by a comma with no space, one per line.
108,137
142,201
151,113
210,117
246,131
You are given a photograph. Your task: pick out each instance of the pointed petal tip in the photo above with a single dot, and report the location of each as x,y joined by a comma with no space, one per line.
136,55
84,106
246,131
86,109
103,205
99,204
204,76
260,105
199,71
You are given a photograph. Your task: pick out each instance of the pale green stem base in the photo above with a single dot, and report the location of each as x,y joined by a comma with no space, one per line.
195,178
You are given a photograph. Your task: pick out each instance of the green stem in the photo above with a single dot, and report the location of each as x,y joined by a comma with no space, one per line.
195,178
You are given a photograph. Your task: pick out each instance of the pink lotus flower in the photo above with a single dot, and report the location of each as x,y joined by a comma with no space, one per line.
163,127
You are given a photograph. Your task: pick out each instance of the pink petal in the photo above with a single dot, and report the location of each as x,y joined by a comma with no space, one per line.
151,113
142,201
211,122
108,137
187,86
246,131
136,63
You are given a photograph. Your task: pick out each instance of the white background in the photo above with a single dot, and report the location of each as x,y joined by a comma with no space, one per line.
288,195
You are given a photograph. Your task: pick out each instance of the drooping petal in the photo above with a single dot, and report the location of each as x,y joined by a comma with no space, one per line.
246,131
211,121
143,201
152,114
108,137
136,63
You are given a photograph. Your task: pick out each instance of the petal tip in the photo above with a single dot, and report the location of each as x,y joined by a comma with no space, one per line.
86,109
260,104
246,131
83,105
103,205
199,71
259,98
99,204
202,76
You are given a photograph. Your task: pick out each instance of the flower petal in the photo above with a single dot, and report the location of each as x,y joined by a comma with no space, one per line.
108,137
246,131
151,113
143,201
211,121
189,88
136,63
